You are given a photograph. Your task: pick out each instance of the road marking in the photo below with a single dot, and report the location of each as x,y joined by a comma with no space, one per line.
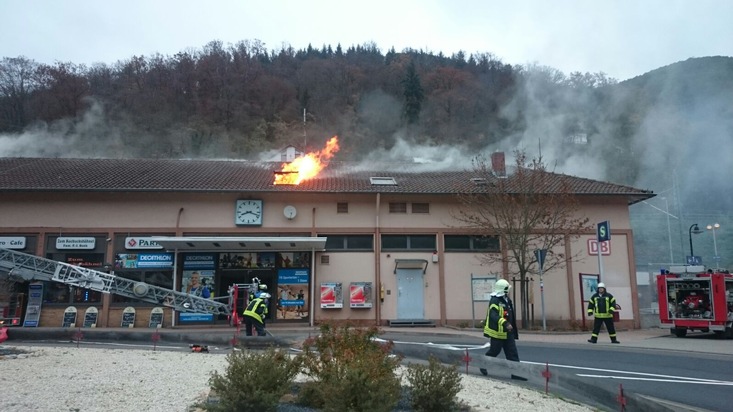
695,381
653,376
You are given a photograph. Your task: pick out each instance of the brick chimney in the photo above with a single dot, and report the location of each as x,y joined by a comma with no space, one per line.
498,164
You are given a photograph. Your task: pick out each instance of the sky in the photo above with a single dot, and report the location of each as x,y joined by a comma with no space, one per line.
621,38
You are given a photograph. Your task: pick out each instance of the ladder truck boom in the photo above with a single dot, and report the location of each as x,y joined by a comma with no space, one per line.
29,267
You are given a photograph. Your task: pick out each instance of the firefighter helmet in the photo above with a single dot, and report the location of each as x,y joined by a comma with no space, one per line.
264,295
601,285
502,286
263,286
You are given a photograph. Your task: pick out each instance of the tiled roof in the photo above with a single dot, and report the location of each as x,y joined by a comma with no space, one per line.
167,175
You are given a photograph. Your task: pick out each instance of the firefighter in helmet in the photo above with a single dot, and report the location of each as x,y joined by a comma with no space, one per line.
500,324
602,306
255,314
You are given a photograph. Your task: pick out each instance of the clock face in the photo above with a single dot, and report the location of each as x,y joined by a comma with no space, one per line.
248,212
290,211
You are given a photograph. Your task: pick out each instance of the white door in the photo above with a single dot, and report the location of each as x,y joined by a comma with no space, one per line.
410,294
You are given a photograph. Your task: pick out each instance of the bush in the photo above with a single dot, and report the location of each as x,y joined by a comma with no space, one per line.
434,387
350,371
253,381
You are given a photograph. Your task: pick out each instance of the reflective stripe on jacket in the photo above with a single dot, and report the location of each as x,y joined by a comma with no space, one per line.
499,315
602,306
257,309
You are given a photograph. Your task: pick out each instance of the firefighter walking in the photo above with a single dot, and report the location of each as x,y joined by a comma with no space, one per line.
500,324
255,313
602,306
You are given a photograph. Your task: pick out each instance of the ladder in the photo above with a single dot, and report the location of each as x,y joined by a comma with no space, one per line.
22,266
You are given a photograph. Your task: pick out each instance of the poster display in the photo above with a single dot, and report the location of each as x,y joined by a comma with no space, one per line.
360,295
156,318
198,280
292,293
128,317
90,317
33,308
69,317
588,286
332,296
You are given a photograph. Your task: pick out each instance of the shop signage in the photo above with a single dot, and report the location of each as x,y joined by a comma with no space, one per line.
17,242
199,261
75,242
143,260
135,242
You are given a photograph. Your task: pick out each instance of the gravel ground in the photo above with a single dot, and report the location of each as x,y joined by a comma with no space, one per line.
67,379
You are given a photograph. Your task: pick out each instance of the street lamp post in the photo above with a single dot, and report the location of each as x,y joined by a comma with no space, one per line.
696,230
715,227
669,231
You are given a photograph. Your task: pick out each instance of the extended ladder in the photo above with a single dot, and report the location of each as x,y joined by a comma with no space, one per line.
28,267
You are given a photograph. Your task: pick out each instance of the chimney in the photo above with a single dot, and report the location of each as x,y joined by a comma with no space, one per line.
498,164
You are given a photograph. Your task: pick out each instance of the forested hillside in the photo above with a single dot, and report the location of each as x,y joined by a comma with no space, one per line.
669,130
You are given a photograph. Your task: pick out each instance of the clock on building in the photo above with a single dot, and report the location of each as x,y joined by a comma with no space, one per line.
248,212
290,211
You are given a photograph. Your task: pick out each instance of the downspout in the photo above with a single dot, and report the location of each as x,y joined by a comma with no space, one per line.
175,264
311,306
377,260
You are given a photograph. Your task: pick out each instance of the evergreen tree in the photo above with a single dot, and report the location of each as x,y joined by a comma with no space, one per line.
414,96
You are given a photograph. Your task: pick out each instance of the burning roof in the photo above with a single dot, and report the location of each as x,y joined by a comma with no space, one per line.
308,166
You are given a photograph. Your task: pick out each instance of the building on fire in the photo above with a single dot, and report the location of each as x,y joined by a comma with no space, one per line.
372,246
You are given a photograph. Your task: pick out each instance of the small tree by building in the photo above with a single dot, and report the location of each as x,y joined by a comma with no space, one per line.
528,209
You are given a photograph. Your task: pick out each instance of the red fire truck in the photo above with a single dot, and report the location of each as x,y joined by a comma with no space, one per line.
691,298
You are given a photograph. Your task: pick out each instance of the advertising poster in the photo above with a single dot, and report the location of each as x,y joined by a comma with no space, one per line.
248,260
292,293
360,295
198,280
332,296
33,308
588,286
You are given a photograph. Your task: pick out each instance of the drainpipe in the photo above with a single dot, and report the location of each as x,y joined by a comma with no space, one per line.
175,264
377,262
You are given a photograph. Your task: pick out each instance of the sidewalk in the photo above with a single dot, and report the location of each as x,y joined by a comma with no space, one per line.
286,335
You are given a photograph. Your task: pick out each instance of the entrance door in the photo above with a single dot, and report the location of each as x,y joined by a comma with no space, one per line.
410,294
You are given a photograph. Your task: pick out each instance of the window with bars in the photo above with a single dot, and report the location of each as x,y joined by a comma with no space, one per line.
397,207
350,242
468,243
421,208
342,207
408,242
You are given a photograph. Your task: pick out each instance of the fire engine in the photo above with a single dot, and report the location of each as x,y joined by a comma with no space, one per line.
692,298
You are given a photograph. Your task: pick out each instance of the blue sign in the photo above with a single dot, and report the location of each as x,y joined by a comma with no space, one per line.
540,255
604,231
292,276
195,317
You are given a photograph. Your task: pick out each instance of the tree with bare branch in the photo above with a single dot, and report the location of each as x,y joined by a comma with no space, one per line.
527,208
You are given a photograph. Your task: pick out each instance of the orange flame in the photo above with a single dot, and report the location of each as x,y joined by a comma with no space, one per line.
308,166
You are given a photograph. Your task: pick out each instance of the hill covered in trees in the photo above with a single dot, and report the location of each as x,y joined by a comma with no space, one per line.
669,130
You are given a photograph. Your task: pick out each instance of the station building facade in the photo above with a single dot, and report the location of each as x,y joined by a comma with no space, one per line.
368,246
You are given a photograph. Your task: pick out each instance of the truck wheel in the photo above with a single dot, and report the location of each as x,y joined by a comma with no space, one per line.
679,332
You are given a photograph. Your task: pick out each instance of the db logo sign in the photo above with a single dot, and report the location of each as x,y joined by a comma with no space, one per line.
594,245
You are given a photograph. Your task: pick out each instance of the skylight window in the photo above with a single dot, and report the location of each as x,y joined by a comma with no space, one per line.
383,181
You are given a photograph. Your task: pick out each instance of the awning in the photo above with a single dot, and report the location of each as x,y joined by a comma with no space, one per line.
229,244
410,264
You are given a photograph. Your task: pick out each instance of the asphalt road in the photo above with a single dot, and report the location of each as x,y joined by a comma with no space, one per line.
702,381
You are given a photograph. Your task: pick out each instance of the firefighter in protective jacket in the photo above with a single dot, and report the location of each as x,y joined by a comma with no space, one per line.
500,325
602,305
255,313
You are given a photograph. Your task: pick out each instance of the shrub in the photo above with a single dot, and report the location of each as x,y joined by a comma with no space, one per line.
434,387
253,381
350,371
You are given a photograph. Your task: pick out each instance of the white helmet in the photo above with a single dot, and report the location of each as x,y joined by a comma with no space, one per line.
502,286
264,295
263,286
601,285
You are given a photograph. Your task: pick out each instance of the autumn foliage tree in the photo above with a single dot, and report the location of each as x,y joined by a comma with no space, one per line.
527,208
